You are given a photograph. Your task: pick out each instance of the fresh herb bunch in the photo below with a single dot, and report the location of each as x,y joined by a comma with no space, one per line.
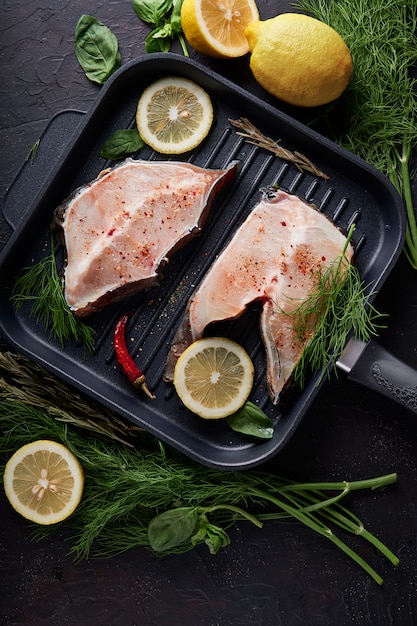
380,104
27,383
165,18
97,47
338,305
41,285
154,497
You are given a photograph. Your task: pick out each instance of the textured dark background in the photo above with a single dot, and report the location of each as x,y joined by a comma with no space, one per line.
284,574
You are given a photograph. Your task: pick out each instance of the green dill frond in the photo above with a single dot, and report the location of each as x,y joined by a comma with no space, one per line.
380,103
41,285
338,305
129,489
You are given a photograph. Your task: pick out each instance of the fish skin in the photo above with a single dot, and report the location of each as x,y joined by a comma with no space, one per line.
120,230
273,258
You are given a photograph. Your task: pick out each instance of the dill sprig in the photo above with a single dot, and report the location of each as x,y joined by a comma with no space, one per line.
31,155
41,285
338,305
154,497
380,104
254,136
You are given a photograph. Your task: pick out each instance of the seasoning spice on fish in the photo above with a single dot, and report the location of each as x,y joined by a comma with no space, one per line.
120,229
274,258
128,365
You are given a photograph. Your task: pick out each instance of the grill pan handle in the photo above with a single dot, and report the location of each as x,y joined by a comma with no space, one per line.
372,366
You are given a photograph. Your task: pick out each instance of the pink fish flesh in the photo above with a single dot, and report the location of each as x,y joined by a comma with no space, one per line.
274,257
120,230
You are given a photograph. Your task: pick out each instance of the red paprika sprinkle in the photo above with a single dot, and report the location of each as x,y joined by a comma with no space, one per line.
128,365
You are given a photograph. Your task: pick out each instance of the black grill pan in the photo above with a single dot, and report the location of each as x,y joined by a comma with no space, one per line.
355,192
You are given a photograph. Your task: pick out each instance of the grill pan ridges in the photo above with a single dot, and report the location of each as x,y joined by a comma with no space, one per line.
356,192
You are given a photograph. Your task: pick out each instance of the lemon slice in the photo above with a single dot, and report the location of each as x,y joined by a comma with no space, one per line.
174,115
214,377
44,481
217,27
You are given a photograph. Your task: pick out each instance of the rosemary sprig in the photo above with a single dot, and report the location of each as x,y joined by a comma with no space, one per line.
380,103
154,497
254,136
41,285
27,383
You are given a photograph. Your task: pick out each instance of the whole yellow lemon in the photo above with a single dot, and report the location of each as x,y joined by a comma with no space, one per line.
299,59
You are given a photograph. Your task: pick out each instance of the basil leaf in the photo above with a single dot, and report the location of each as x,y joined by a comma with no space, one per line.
175,19
151,11
121,144
213,536
251,420
216,538
96,49
163,32
172,528
155,43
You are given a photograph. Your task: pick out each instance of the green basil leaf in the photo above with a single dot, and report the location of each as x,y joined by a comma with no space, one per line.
172,528
251,420
155,43
163,32
96,48
200,532
175,19
151,11
216,538
121,144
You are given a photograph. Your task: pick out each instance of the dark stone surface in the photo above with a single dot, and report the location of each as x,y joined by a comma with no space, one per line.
281,575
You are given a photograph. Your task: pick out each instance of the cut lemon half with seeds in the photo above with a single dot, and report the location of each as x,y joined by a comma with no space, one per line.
214,377
217,27
44,481
174,115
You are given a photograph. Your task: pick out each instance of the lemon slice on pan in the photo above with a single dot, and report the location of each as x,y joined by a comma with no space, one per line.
174,115
44,481
214,377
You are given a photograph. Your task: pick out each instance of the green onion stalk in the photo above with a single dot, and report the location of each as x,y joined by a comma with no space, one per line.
379,104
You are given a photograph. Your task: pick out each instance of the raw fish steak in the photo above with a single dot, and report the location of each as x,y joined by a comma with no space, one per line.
120,230
274,257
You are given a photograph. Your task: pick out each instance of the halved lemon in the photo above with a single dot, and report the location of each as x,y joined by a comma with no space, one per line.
44,481
174,115
214,377
217,27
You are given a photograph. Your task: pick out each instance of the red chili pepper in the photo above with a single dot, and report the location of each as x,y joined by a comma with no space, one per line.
128,365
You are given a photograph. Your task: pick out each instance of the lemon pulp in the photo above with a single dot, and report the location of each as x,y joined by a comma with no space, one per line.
174,115
44,481
214,377
217,27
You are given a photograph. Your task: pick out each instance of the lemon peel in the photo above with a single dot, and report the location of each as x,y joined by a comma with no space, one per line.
299,59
